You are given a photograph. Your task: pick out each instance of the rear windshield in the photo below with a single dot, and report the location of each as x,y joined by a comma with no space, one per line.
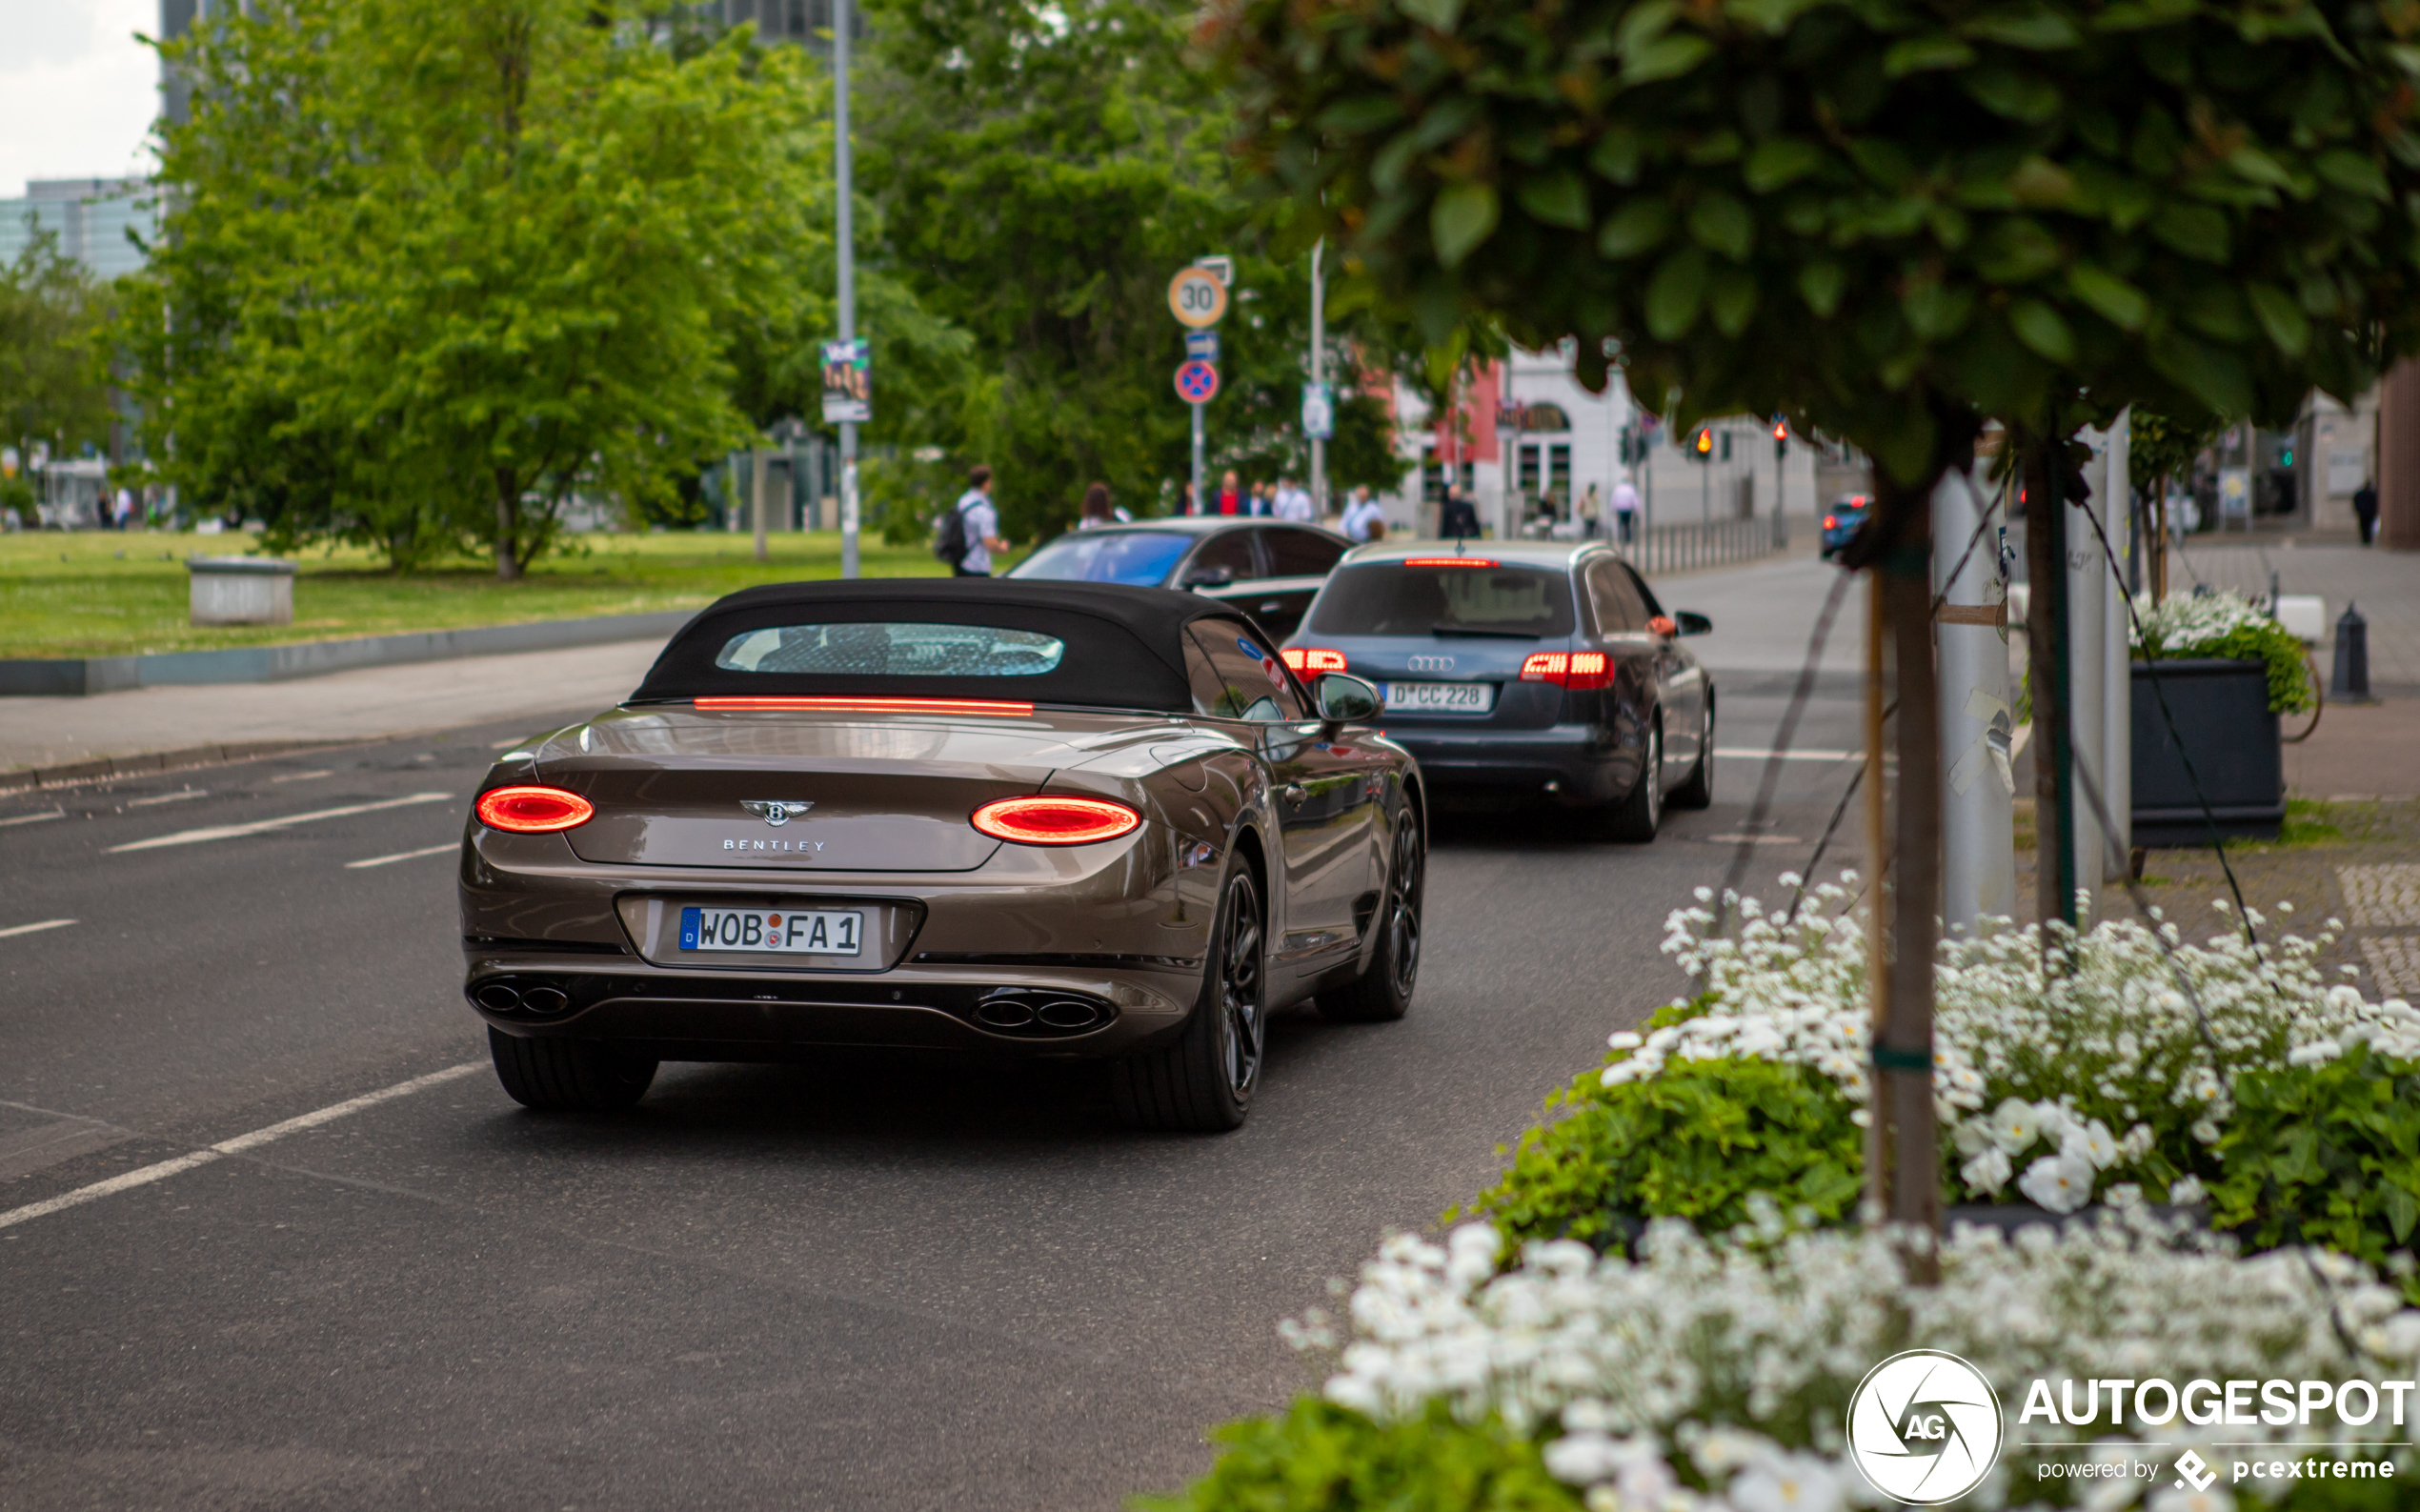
1389,598
893,649
915,648
1142,558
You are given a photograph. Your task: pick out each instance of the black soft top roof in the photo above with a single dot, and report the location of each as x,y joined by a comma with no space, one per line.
1125,645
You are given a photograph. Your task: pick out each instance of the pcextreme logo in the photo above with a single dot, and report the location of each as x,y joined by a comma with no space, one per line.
1924,1427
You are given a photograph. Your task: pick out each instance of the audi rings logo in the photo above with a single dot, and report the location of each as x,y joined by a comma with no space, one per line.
1432,663
1924,1427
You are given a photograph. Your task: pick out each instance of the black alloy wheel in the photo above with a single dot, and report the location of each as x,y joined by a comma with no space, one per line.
1698,792
1384,991
1636,817
1203,1081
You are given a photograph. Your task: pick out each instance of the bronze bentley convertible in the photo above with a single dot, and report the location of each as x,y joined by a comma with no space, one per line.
1047,818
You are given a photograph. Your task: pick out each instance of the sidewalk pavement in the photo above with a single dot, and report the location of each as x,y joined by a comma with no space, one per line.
2386,585
544,686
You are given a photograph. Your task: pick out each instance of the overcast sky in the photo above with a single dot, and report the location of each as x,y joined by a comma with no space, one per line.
78,93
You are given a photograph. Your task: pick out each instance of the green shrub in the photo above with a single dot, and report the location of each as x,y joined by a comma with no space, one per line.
1323,1457
1695,1141
2326,1154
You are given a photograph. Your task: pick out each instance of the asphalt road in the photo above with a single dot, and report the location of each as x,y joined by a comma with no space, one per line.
874,1283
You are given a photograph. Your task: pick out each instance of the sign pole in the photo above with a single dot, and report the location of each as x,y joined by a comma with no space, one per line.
1319,374
1201,499
848,301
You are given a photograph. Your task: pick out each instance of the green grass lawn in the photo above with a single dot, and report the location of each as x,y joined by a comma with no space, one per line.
104,594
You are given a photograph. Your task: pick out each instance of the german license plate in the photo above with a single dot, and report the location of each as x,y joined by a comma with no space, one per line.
789,931
1439,697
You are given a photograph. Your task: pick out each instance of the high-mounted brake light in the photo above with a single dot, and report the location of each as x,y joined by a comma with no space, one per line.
845,705
1581,670
1312,660
1055,820
532,811
1451,561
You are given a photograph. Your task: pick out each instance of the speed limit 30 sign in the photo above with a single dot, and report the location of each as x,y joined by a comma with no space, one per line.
1197,298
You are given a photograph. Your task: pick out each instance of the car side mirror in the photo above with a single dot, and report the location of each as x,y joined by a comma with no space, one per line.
1345,699
1209,578
1692,624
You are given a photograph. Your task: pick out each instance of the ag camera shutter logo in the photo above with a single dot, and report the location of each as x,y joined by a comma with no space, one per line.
1924,1427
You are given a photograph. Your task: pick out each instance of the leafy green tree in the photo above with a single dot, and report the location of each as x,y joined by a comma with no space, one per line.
51,384
430,268
1041,172
1886,221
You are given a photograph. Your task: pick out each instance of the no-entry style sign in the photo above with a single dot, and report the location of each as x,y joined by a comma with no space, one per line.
1197,382
1195,298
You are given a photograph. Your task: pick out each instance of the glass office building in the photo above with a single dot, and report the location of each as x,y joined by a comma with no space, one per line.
91,216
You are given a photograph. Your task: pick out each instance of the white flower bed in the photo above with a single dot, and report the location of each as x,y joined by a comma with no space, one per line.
2183,621
2063,1086
1703,1377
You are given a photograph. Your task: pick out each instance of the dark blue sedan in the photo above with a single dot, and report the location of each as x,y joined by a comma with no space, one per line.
1524,673
1842,521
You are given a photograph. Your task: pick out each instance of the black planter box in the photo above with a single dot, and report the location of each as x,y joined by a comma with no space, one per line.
2221,709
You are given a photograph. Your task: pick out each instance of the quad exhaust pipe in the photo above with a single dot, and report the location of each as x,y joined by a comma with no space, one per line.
1015,1011
502,997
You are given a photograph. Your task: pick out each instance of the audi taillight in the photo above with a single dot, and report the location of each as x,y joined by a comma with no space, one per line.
1581,670
1312,660
532,811
1055,820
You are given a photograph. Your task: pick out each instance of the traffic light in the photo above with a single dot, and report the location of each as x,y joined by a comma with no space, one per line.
1781,439
1702,445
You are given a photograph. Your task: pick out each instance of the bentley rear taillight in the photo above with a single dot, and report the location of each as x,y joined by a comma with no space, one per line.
532,811
1312,660
1581,670
1055,820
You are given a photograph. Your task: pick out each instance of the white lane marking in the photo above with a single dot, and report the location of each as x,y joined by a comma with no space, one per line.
404,855
32,928
168,798
305,777
1743,754
145,1176
33,818
229,832
1750,840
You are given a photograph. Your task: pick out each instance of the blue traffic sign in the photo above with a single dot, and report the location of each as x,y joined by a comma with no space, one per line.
1201,346
1197,382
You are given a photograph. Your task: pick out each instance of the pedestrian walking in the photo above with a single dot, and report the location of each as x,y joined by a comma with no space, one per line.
971,530
1256,501
1293,501
1626,511
1230,503
1097,511
1458,519
1364,518
1590,511
2365,509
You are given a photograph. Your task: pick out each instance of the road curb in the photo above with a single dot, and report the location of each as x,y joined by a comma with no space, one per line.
106,768
76,677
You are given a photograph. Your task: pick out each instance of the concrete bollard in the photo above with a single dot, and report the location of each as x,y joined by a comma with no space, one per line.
240,590
2350,681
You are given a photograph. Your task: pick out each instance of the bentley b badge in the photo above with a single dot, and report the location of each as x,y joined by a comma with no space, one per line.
776,811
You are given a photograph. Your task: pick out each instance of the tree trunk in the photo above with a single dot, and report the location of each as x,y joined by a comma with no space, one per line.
1909,1192
2047,673
508,520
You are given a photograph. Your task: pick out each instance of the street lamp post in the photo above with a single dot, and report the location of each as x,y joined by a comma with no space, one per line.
848,275
1318,374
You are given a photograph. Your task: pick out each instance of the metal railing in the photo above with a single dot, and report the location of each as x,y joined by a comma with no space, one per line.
1713,543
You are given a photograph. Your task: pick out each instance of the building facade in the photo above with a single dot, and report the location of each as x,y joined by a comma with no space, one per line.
96,220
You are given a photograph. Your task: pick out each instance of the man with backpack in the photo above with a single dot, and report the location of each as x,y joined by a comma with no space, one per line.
971,530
